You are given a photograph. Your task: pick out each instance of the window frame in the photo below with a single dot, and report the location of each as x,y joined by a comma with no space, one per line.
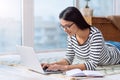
28,22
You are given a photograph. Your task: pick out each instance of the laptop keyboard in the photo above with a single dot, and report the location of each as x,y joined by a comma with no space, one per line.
51,70
45,69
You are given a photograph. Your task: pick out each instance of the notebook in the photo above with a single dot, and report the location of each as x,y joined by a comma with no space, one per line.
30,60
84,73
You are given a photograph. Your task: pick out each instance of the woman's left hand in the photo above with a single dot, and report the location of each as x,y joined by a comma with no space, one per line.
57,67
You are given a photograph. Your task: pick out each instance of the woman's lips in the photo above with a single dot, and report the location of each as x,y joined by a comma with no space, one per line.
68,32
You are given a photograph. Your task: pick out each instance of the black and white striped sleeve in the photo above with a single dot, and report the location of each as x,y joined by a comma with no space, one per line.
96,44
69,53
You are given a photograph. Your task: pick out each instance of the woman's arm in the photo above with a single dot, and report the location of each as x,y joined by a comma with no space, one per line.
79,66
66,67
97,46
61,62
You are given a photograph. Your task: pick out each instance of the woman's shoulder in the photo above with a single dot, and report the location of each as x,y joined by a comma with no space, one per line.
95,30
95,33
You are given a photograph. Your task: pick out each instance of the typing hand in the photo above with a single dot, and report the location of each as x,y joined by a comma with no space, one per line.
45,66
56,67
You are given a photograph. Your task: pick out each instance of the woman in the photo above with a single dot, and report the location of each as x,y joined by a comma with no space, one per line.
85,42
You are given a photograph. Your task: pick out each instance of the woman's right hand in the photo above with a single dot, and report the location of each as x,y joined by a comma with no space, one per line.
45,65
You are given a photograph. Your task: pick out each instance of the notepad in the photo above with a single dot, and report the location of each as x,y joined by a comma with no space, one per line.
84,73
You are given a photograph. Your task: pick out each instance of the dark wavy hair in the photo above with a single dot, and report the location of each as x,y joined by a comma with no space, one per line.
74,15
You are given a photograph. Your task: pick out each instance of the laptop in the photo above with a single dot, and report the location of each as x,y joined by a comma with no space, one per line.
30,60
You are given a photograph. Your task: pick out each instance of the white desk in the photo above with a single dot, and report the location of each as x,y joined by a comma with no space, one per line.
21,73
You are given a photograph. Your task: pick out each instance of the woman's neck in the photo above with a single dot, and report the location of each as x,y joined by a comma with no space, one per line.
82,35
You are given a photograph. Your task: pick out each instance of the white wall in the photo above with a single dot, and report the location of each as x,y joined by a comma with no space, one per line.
117,7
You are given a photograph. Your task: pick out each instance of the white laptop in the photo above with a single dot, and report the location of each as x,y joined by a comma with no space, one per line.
30,60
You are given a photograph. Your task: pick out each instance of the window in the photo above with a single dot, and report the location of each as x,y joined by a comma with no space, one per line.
17,29
10,24
48,34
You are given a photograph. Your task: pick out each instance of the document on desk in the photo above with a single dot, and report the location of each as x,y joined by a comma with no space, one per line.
84,73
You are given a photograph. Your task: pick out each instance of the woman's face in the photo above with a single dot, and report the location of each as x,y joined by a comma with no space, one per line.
69,27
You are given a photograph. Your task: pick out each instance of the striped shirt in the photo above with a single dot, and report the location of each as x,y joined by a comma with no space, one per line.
94,51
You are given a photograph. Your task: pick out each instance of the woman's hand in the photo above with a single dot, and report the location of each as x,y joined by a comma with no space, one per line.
46,65
61,65
57,67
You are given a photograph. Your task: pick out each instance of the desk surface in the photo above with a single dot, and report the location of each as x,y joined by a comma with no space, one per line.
21,73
